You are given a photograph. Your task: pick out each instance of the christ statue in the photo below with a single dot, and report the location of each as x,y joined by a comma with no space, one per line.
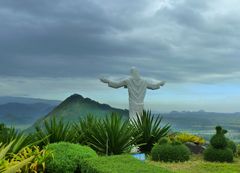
137,87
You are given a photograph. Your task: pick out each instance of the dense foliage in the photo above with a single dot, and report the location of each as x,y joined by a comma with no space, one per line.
10,165
170,151
218,150
54,130
119,164
220,155
147,127
67,157
111,135
232,146
187,137
83,128
20,139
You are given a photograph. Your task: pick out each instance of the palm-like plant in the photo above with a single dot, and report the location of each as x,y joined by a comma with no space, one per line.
21,140
54,130
83,128
111,135
148,130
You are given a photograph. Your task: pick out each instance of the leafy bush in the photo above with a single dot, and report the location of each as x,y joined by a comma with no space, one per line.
111,135
170,152
54,130
147,130
238,150
8,166
221,155
186,137
119,164
218,150
37,164
67,157
232,146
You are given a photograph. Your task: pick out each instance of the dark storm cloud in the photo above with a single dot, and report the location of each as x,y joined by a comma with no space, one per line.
176,40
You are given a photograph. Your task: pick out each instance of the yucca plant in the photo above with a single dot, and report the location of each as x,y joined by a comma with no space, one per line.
83,128
111,135
147,130
20,139
54,130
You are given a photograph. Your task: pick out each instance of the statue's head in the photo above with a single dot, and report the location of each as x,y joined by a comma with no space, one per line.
134,72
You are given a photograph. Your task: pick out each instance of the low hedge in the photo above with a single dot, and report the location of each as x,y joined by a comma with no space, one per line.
218,155
170,151
67,157
119,164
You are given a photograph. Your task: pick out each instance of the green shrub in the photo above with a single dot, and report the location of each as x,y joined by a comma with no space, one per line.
111,135
232,146
148,131
67,157
238,150
170,152
219,140
119,164
218,155
218,149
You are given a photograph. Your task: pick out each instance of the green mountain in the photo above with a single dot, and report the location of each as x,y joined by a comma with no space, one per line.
77,106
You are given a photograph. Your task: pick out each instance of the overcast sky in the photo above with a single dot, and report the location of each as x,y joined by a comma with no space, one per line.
54,48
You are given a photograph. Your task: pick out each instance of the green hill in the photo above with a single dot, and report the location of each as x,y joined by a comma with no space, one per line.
77,106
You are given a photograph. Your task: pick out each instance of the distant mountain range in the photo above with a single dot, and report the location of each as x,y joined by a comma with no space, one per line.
22,110
201,119
26,100
18,111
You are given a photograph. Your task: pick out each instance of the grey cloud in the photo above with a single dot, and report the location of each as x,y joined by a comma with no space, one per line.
87,38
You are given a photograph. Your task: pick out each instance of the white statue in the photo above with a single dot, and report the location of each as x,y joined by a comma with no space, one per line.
137,87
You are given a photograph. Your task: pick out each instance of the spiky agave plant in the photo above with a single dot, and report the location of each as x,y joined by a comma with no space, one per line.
54,130
83,128
21,140
111,135
147,130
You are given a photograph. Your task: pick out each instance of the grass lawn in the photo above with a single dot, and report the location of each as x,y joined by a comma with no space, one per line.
198,165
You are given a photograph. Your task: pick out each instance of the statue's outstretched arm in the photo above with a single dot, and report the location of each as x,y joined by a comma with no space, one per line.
114,84
155,85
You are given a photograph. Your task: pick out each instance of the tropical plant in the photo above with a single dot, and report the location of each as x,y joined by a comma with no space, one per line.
54,130
187,137
7,166
147,130
111,135
20,139
170,151
67,157
83,128
37,164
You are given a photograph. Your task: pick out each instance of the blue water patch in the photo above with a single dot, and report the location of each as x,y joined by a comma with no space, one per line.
139,156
